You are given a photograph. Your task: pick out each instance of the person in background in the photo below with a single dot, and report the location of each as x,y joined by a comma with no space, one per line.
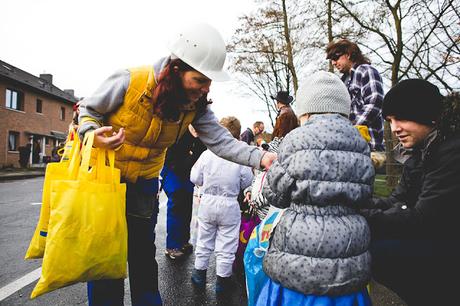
285,123
282,98
219,214
24,155
365,87
75,114
36,151
249,135
55,153
286,120
415,231
140,112
260,142
175,181
318,252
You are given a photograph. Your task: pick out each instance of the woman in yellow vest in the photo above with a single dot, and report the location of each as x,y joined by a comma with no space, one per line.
140,112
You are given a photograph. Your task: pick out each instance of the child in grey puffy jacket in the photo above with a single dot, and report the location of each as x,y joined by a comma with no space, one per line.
319,249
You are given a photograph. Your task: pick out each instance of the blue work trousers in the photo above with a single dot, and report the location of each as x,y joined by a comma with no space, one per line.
143,268
180,201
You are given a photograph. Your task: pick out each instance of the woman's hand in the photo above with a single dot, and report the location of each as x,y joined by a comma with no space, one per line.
267,160
106,138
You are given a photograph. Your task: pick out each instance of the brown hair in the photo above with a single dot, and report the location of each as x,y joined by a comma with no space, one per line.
257,124
232,124
286,122
344,46
169,94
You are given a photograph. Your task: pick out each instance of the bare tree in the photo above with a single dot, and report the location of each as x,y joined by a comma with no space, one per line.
284,39
263,52
412,38
322,23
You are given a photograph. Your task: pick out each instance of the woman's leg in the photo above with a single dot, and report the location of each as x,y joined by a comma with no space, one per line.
143,268
107,292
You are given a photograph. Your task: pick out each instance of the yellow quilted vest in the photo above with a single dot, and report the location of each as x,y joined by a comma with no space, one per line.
147,136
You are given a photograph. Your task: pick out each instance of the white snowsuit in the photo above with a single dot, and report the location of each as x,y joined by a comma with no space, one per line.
219,215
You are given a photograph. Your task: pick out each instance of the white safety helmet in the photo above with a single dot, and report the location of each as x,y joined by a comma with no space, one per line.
203,48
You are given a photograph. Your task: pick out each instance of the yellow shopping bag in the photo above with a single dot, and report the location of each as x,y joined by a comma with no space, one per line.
87,233
54,171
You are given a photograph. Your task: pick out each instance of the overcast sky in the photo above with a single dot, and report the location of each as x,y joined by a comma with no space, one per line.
81,42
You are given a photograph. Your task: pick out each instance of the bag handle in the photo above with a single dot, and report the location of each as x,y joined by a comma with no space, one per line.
74,158
72,142
86,152
104,156
98,171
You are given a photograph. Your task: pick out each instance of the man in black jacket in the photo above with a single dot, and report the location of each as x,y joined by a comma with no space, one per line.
175,181
416,232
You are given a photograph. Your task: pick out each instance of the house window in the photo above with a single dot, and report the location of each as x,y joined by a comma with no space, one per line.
39,106
13,141
13,99
62,116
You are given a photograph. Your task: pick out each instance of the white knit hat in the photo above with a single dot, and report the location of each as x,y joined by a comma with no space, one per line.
322,92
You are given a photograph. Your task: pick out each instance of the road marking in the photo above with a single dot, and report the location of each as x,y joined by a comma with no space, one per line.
19,284
33,276
36,203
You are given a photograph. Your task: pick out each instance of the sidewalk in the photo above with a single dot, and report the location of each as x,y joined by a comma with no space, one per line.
20,173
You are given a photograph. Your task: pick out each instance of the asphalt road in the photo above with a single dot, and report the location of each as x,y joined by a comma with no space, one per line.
19,212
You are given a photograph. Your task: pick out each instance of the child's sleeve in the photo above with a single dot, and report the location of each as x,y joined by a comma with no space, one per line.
246,177
196,174
279,181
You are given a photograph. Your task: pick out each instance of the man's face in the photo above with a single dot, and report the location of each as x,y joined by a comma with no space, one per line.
342,62
409,133
259,129
195,85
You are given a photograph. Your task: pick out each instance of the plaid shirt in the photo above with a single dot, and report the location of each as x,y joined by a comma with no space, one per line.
366,91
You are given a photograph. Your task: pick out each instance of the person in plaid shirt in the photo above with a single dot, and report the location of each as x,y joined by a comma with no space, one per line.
365,86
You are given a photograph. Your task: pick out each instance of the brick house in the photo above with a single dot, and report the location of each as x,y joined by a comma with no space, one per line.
34,116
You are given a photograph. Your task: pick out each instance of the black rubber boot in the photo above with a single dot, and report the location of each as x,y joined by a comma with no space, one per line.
224,284
199,278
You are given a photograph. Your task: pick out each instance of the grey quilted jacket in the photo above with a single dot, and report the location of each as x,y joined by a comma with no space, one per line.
322,175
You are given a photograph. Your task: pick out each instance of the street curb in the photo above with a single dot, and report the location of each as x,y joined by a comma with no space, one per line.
10,177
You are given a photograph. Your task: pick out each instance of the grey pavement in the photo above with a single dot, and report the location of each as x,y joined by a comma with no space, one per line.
7,174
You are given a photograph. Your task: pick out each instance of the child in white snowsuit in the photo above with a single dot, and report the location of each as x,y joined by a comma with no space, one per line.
219,215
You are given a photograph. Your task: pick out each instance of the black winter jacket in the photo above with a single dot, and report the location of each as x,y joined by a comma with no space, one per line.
425,206
181,156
